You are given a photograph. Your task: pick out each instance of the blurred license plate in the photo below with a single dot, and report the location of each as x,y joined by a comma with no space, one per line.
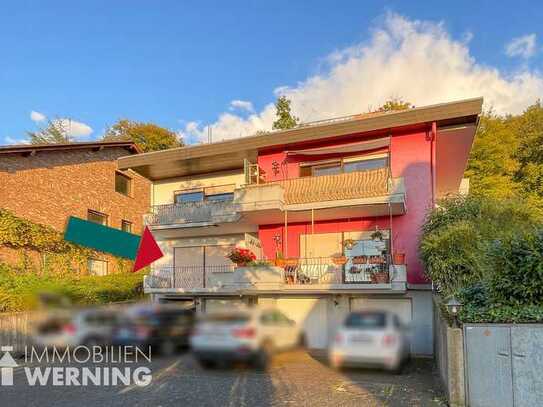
361,339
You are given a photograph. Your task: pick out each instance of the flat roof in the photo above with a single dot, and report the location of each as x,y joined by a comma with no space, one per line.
32,149
229,154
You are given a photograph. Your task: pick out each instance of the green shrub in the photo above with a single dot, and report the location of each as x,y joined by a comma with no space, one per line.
459,236
518,270
502,314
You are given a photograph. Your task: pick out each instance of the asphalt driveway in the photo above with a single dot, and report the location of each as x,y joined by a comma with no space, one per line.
295,378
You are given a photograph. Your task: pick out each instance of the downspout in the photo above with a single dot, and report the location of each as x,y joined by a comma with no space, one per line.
433,140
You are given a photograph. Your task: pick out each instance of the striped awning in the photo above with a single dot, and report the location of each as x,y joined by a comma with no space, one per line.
345,148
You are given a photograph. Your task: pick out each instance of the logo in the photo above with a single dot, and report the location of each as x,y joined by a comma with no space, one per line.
7,363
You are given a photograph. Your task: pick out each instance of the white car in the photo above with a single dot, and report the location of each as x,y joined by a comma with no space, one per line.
370,339
251,335
90,327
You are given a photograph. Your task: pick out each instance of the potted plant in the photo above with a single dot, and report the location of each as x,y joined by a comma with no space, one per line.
279,259
379,276
339,259
377,235
398,258
240,256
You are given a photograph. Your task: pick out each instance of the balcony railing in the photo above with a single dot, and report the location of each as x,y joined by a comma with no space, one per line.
293,272
192,212
352,185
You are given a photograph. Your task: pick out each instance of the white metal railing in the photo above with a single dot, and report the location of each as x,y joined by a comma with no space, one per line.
192,212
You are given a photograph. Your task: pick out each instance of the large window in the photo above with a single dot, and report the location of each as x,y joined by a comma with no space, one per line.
97,217
342,165
212,193
123,183
97,267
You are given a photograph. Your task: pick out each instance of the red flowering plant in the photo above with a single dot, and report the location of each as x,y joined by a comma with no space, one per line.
241,256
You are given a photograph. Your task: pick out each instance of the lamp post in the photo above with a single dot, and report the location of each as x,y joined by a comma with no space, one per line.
453,306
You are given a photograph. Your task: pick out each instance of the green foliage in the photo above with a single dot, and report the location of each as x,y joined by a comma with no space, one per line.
518,269
285,120
502,314
148,136
56,131
20,291
506,160
459,236
395,104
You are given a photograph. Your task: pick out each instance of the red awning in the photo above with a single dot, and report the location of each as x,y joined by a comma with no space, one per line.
344,148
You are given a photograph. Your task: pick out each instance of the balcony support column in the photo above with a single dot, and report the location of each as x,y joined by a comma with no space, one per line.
286,234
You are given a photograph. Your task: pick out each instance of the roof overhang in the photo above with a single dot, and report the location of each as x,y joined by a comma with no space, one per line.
33,149
230,154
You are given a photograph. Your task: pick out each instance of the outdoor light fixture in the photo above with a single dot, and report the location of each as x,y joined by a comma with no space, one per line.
453,306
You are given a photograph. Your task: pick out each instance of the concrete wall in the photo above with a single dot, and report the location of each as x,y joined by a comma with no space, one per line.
449,356
163,191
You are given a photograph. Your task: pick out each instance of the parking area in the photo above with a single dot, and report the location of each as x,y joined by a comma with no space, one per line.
295,378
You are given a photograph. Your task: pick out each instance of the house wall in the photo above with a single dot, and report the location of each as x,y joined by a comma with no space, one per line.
50,186
410,158
163,191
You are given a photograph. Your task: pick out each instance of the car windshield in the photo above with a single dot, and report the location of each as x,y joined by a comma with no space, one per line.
366,320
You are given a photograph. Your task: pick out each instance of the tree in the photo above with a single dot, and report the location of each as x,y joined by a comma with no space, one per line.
148,136
506,160
56,131
395,104
285,120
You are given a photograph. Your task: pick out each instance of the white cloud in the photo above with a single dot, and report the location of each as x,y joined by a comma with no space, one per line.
415,60
37,116
241,105
12,140
524,46
74,128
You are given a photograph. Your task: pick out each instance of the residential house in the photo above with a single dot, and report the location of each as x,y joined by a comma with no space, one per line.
48,183
336,207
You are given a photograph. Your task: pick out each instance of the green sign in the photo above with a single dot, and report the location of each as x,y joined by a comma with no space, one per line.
102,238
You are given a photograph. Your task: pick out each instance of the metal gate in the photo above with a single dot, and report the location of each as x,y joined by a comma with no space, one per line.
504,364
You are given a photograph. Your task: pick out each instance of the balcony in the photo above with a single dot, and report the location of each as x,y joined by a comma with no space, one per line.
307,275
367,193
192,213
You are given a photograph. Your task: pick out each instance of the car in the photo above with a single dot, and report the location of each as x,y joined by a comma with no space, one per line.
252,336
164,328
370,339
90,327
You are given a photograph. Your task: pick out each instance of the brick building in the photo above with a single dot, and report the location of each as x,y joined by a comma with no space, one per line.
49,183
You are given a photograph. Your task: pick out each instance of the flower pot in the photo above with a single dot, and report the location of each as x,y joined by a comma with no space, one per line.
279,262
360,259
399,258
339,260
380,277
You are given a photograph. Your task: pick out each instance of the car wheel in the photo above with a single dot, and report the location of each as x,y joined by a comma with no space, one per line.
167,348
207,364
302,341
263,357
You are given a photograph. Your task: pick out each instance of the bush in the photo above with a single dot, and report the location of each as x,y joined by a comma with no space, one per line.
458,238
518,270
20,291
502,314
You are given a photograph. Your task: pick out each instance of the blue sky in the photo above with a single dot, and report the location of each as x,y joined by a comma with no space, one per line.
181,64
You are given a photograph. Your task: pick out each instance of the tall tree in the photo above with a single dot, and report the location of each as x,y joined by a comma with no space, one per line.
148,136
56,131
285,119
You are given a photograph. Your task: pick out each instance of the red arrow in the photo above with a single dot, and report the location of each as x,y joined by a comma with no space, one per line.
148,251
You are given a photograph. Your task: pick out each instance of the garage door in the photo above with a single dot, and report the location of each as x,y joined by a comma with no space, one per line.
219,305
401,307
311,315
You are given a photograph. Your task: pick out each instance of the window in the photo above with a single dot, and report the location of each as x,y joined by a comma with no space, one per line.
349,164
126,226
97,217
183,197
123,184
220,197
365,164
97,267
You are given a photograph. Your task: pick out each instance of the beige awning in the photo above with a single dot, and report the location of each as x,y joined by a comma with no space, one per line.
345,148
